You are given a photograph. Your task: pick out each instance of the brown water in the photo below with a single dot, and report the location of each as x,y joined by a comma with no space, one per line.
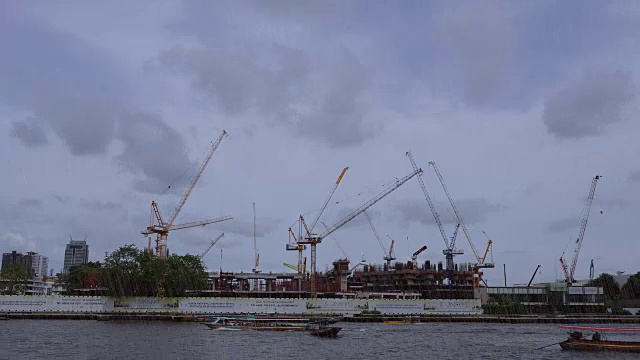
60,339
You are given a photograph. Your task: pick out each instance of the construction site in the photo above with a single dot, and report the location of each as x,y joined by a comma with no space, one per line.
414,279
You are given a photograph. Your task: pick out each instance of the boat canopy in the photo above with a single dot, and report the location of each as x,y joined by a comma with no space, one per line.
589,328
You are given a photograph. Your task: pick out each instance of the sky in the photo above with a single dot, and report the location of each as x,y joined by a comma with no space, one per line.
106,106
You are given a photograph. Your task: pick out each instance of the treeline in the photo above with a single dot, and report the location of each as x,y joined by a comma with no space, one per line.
613,292
13,279
129,271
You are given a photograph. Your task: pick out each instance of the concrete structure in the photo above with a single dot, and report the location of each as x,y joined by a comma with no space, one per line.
15,257
76,253
39,264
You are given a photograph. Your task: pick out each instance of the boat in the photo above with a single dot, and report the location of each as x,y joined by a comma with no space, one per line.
320,329
578,342
227,323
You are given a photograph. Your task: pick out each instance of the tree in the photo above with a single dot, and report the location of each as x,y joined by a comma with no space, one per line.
130,272
610,287
631,289
84,276
15,278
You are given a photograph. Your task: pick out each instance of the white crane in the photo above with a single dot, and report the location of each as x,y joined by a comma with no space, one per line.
568,273
211,245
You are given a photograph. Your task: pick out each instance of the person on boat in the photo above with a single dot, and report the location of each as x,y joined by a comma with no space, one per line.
596,336
576,335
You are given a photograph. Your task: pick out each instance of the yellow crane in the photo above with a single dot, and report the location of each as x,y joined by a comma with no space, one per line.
311,239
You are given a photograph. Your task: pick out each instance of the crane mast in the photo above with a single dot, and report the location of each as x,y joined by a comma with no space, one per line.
583,227
313,239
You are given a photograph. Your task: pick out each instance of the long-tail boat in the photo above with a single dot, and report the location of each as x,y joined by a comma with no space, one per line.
578,342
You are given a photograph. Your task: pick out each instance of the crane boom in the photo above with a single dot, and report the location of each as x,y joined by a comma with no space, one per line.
337,243
436,217
456,212
326,202
200,223
375,232
195,180
583,226
369,204
211,245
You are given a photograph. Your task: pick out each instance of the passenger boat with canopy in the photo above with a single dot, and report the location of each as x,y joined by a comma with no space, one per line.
578,342
316,328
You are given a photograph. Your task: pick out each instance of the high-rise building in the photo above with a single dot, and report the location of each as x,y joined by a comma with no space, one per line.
76,253
15,257
39,264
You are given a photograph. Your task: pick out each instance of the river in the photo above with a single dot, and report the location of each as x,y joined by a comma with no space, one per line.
60,339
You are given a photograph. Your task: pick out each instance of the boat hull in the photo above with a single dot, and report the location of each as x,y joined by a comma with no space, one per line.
602,345
255,328
326,332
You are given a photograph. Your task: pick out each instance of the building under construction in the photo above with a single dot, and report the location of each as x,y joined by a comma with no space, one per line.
399,280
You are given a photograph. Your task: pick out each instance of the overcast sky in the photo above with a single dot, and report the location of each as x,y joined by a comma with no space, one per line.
104,105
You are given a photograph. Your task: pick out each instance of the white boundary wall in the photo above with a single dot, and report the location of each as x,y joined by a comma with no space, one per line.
237,305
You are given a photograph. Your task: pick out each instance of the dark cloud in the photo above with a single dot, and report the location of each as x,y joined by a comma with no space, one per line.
588,106
244,228
63,199
100,205
30,134
70,86
30,202
153,150
474,210
560,225
634,176
320,96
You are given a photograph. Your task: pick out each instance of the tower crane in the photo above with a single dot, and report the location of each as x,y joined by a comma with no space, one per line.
450,251
211,245
388,257
162,228
391,255
480,261
295,245
313,240
568,273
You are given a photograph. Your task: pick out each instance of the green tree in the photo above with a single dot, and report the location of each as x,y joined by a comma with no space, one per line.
631,289
14,278
609,287
84,276
130,272
123,273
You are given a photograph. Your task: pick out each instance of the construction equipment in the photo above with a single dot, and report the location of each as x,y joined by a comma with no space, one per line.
346,257
313,240
256,255
480,261
391,255
353,269
533,276
295,245
414,256
162,228
388,256
568,273
210,246
592,271
450,251
295,268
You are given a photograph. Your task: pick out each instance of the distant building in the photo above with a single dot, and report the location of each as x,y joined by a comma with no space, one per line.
39,264
15,257
76,253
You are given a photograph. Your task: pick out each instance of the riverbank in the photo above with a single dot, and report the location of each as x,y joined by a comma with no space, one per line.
515,319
